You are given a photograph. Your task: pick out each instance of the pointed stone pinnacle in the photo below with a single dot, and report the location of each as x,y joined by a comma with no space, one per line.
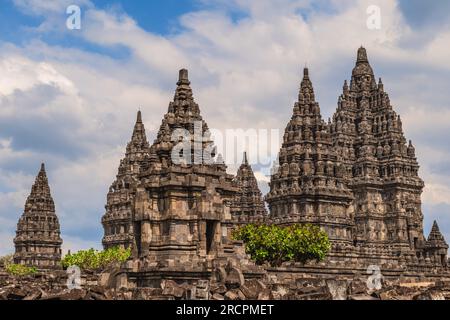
362,55
139,137
38,243
183,91
345,86
248,201
436,239
183,77
306,73
435,227
306,94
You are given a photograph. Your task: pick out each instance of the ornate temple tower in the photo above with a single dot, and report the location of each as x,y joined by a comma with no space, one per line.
184,195
308,186
248,201
38,241
381,168
436,248
117,221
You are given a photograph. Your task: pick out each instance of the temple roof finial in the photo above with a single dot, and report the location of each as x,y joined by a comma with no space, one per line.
138,137
306,94
184,91
362,55
139,117
40,185
435,227
380,84
245,158
436,239
362,74
183,77
345,86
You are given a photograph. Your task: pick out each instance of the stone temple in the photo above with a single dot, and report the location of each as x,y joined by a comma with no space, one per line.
174,204
117,221
38,241
248,201
356,176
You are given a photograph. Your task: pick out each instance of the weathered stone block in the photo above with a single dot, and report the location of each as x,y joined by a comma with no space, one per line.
217,296
337,289
252,288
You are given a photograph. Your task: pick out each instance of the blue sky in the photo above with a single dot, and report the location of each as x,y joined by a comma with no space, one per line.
69,97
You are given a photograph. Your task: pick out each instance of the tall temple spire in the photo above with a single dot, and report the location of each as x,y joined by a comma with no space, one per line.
309,169
183,113
193,194
117,219
38,241
367,133
248,201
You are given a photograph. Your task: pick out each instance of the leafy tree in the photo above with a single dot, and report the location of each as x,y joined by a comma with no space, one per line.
92,259
20,270
275,244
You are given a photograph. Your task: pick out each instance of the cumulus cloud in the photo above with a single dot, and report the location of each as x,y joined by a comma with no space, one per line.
74,107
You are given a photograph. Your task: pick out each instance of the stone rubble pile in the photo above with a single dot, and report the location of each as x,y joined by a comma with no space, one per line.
52,286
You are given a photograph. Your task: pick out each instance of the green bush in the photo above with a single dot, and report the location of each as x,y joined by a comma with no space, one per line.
275,245
92,259
20,270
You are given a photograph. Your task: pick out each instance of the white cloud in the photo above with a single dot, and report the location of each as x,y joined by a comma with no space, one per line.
436,193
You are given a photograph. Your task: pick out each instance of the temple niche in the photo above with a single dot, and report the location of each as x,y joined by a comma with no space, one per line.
38,241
